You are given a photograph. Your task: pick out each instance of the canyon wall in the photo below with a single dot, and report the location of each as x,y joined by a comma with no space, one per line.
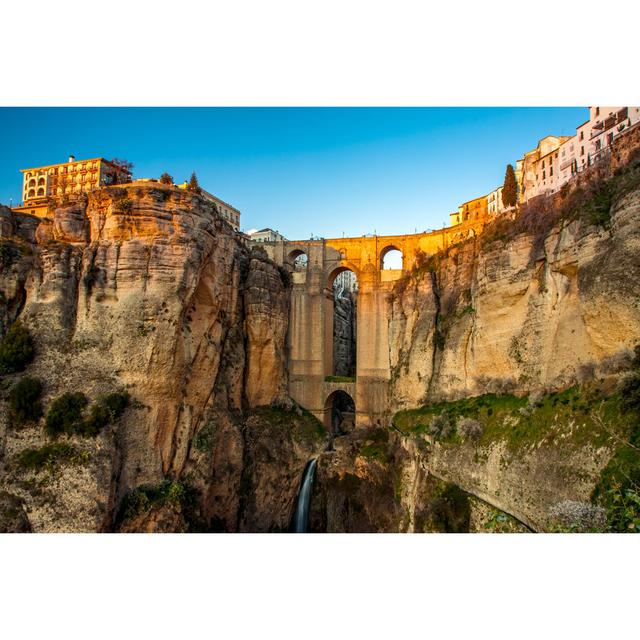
145,289
520,315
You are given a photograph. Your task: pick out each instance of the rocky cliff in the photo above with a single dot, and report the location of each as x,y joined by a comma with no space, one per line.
145,289
507,352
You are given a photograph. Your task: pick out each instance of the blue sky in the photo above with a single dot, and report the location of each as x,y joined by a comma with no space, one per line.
303,171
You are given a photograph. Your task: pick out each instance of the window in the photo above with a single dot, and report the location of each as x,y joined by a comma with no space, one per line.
597,111
581,151
610,138
582,135
550,171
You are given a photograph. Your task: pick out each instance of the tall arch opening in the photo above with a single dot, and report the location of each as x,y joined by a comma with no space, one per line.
344,293
391,258
298,260
340,413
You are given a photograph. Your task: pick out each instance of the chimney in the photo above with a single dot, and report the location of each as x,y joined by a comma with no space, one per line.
72,158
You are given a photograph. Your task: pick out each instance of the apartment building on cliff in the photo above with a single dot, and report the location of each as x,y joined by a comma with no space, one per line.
67,178
557,159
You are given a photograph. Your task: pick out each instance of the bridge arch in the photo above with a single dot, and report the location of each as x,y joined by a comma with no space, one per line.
298,259
339,412
334,273
391,257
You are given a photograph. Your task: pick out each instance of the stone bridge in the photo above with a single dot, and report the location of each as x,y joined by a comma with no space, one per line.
310,339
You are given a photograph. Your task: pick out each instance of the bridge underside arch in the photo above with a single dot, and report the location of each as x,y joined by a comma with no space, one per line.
339,412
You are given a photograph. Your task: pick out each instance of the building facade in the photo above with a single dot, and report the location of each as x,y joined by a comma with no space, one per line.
67,178
494,202
266,235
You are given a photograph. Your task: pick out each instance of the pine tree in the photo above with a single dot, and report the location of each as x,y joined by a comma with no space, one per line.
165,178
193,183
509,189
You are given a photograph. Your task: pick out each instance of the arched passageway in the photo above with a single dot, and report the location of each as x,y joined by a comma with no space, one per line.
391,258
298,260
344,290
339,413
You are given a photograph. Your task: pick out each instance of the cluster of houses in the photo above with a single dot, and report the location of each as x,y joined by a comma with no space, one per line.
556,160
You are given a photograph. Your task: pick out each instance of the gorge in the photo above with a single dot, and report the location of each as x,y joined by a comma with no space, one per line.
483,392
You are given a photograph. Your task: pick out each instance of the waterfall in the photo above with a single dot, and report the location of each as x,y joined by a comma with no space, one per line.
300,521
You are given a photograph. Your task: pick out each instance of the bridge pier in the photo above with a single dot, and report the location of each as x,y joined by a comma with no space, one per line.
310,340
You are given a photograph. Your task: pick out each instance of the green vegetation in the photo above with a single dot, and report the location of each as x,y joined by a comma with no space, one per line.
106,410
203,440
24,401
165,178
16,349
521,422
50,456
303,425
618,490
194,185
375,447
339,379
448,510
509,188
124,205
65,414
147,497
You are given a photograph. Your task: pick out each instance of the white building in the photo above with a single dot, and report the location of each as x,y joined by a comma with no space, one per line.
494,202
557,159
265,235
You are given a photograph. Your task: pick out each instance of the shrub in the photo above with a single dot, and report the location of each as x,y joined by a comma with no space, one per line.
24,401
570,516
623,510
16,349
441,427
630,386
470,429
124,205
165,178
65,414
144,498
50,455
203,440
106,410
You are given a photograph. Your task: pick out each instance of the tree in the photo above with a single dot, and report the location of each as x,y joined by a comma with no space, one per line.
509,189
165,178
123,164
193,183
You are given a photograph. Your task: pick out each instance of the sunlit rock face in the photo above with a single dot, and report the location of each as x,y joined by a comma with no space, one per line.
519,317
144,289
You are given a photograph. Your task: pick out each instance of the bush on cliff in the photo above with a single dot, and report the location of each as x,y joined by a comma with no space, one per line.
50,456
106,410
16,349
24,401
165,178
65,414
169,492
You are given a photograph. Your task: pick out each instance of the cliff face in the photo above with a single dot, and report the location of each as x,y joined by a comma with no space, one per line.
344,333
141,288
519,316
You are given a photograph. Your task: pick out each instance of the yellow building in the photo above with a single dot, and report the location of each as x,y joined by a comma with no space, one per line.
475,209
67,178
